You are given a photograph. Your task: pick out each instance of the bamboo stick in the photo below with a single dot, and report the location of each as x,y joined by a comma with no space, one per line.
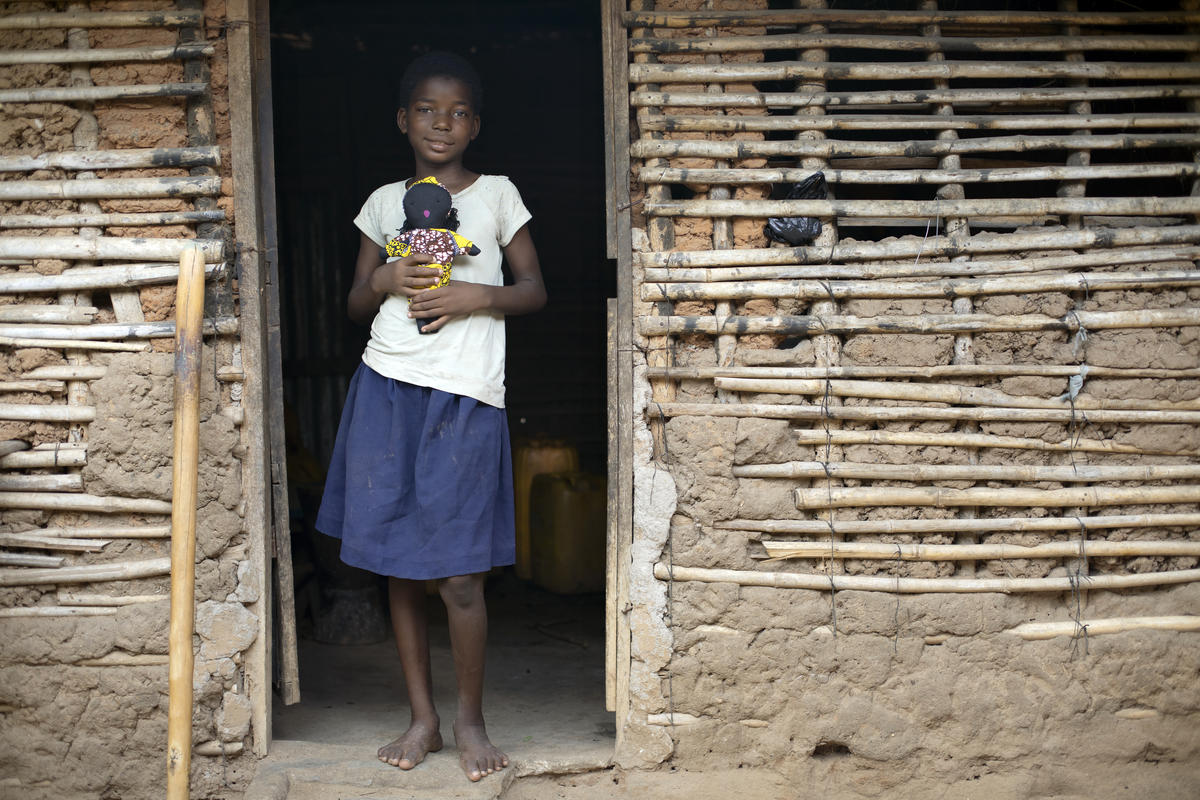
24,560
111,188
33,542
879,583
907,177
914,269
940,393
43,313
962,287
100,19
126,276
181,157
941,497
78,599
218,749
39,387
118,659
137,219
958,439
926,324
43,459
189,346
87,573
66,372
9,446
104,532
1066,473
99,55
905,413
891,100
43,501
1035,631
1003,206
911,70
105,247
70,344
970,552
55,611
689,123
936,371
873,19
140,330
92,94
928,247
938,527
41,483
913,44
47,413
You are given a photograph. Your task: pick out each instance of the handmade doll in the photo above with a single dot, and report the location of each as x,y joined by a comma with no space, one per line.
430,222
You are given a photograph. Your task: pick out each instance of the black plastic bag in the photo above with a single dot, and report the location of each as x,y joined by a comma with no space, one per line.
798,230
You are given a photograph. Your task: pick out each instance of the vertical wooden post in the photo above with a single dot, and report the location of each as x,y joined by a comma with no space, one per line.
189,312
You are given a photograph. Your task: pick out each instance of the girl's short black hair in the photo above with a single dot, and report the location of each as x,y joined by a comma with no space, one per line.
440,64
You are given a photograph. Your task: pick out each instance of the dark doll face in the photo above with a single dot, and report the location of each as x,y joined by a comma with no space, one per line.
439,120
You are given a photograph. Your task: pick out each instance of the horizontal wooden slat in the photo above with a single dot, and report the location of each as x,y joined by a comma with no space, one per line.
909,177
73,94
831,148
919,44
115,330
890,100
922,324
938,527
92,56
46,413
122,275
1065,473
874,18
820,438
881,583
136,219
111,188
101,19
929,372
878,414
114,159
962,287
941,497
913,70
1001,207
930,247
897,122
84,502
106,247
915,551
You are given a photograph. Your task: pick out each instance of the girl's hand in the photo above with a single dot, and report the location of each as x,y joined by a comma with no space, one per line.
406,276
455,299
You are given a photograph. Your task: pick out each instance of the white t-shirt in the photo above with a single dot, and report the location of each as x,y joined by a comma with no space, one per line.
466,355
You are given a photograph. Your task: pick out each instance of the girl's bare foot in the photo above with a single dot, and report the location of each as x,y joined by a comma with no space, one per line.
414,744
478,756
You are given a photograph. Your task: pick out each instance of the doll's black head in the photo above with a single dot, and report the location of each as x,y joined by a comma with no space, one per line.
440,64
428,205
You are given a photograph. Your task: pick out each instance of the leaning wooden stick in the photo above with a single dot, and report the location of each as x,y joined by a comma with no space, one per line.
189,303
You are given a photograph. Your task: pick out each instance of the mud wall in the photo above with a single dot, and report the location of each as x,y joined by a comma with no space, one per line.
83,664
818,414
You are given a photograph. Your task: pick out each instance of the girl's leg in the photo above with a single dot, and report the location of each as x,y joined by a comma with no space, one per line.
467,613
407,601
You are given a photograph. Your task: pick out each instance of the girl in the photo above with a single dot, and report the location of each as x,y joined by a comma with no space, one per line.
420,484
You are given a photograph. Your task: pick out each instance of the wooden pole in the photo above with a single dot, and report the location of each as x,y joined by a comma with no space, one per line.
110,188
75,94
105,247
86,573
73,344
189,303
100,19
696,123
937,527
1064,473
914,44
941,497
97,55
909,551
910,70
1009,19
896,413
879,583
1033,631
115,330
959,439
158,157
125,276
932,372
133,220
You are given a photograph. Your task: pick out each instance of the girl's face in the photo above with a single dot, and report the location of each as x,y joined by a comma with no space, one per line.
439,121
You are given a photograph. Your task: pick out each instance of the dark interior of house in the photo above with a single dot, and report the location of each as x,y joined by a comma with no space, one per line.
335,71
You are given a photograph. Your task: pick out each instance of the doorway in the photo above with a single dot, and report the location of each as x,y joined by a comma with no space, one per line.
335,70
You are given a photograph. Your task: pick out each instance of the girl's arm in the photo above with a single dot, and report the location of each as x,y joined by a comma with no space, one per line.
374,280
525,294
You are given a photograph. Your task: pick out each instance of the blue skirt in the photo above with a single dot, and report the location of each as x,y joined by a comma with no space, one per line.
420,482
